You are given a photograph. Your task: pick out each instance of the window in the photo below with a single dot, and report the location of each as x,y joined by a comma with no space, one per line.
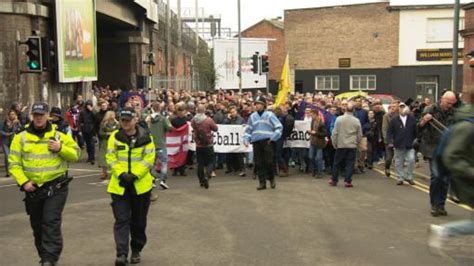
441,29
327,83
363,82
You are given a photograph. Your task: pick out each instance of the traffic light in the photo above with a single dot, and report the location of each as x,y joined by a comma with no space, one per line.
48,54
255,63
35,62
264,63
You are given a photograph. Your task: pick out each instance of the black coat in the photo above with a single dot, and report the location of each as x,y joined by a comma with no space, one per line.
402,137
87,121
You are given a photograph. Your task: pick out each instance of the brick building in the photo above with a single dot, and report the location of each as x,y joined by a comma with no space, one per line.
468,35
126,32
340,48
271,29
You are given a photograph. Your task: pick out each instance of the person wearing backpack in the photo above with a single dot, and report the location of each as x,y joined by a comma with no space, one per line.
457,158
203,127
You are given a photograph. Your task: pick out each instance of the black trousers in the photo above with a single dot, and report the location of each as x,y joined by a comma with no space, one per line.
205,159
264,157
45,219
90,145
235,162
130,212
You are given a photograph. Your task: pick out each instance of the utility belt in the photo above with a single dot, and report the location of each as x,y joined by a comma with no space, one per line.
48,189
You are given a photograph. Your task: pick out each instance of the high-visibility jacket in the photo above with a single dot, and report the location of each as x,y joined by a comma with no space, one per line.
30,158
125,156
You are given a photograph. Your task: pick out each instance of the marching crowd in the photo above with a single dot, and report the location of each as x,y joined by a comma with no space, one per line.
346,136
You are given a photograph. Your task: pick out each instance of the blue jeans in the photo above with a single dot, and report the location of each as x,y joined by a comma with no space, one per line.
162,156
347,158
438,187
6,151
316,159
302,155
404,156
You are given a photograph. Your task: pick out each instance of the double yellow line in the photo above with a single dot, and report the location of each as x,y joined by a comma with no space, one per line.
423,187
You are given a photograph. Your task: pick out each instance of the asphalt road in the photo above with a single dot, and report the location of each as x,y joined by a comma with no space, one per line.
302,222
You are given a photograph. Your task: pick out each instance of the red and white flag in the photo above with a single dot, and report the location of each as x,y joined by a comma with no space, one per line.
177,147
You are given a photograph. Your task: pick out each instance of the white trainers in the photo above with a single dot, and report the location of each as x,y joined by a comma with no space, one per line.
213,174
438,236
163,185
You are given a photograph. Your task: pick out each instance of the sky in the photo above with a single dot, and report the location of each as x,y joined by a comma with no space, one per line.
253,11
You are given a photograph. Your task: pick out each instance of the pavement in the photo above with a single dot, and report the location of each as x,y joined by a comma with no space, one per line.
302,222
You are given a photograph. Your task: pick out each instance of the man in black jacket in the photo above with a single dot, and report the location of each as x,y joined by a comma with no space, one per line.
443,112
283,154
86,122
400,135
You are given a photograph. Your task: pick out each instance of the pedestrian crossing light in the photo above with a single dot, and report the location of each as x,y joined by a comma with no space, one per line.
34,62
264,63
255,63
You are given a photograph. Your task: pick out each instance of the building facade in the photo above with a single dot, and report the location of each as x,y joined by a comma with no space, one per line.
273,30
126,32
406,53
468,35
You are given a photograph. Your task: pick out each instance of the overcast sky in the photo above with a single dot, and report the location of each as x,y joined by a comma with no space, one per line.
255,10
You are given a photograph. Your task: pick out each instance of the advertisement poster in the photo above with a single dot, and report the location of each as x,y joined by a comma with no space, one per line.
76,40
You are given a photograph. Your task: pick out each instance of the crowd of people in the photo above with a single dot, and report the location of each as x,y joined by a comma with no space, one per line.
347,136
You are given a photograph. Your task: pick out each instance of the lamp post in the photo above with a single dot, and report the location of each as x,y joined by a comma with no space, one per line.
454,67
240,47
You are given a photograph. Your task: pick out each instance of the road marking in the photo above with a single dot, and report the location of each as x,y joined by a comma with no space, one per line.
75,177
425,188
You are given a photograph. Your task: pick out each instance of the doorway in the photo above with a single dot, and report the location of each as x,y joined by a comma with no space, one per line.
426,87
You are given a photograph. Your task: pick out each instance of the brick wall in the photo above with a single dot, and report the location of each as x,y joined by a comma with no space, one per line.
368,34
276,49
468,34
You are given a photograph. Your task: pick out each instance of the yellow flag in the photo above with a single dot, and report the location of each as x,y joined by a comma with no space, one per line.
284,86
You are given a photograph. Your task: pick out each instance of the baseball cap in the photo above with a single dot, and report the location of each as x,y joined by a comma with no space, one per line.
40,108
402,104
127,113
55,111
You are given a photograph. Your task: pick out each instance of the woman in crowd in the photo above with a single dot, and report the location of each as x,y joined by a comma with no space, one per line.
108,125
11,125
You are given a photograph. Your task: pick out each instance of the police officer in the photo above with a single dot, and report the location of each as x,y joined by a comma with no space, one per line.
263,130
38,162
130,156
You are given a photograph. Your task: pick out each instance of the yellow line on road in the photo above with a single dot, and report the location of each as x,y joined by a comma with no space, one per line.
424,188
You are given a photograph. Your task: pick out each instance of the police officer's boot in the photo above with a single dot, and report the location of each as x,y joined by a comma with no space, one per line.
135,258
273,183
262,186
121,261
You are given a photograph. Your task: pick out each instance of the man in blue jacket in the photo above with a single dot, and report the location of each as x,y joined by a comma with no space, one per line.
363,117
401,134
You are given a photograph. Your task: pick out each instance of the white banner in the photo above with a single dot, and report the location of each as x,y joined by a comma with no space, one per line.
227,139
300,137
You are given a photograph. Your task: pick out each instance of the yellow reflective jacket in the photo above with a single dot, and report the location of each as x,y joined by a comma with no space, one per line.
124,157
30,158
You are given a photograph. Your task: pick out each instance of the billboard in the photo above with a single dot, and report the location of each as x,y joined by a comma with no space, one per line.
226,63
76,40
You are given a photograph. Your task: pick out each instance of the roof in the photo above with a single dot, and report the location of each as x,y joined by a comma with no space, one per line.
337,6
419,7
276,23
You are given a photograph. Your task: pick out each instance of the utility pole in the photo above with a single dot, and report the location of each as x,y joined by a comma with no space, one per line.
240,48
168,44
178,52
196,21
454,67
